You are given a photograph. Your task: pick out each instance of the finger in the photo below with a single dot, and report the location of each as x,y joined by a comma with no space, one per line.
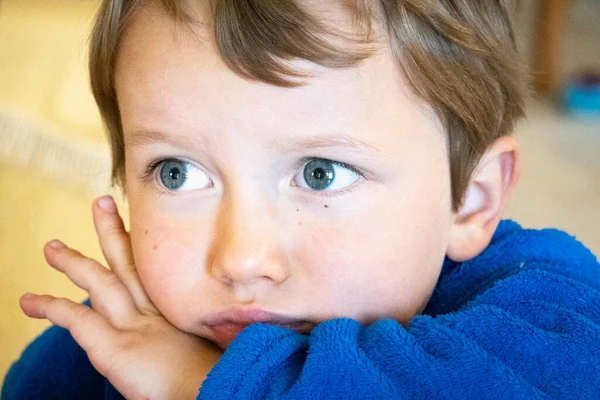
116,247
90,329
108,294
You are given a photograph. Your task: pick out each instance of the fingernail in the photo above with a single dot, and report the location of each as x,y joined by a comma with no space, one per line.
56,244
107,204
27,295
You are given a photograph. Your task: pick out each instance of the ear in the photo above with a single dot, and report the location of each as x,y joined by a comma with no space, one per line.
491,186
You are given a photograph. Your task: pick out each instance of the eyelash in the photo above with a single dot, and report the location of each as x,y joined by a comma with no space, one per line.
149,171
326,193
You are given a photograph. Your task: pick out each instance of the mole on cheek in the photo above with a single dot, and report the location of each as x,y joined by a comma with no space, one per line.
146,232
299,222
154,247
326,205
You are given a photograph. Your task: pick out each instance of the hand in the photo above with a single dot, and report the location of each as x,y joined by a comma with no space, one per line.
125,337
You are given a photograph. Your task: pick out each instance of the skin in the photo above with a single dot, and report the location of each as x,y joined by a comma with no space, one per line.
255,237
126,339
252,233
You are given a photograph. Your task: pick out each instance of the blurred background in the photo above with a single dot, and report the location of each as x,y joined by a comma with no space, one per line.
54,160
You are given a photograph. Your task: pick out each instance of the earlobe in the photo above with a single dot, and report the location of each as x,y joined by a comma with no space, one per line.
491,186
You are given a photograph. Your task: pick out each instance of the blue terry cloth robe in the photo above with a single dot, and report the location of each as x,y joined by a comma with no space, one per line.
520,321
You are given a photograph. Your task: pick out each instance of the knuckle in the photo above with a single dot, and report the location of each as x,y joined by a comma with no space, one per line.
115,229
71,257
111,281
81,317
88,262
70,254
62,311
129,268
56,302
81,312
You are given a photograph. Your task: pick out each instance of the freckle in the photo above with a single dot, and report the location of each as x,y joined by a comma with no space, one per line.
154,247
297,209
326,205
299,222
146,232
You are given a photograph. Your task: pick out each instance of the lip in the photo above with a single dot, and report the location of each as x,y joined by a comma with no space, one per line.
247,316
226,325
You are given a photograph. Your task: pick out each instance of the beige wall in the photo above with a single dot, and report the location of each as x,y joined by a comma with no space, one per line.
50,135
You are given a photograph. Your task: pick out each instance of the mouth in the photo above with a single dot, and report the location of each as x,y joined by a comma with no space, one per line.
226,325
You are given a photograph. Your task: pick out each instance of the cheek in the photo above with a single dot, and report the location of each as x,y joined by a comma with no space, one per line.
169,259
378,264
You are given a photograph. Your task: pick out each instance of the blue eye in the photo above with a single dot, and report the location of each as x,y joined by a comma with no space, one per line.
326,175
178,175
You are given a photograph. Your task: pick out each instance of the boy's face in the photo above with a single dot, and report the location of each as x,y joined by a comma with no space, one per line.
263,219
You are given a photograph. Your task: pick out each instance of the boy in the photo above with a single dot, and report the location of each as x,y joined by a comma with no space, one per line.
316,188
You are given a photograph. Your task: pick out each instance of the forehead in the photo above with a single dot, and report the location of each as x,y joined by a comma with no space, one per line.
166,71
152,32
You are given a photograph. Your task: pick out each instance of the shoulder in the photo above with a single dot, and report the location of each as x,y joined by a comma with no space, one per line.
530,301
546,265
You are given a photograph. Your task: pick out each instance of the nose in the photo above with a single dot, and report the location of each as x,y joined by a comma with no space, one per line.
246,248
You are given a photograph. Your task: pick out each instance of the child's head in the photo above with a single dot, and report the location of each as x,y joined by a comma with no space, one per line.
316,159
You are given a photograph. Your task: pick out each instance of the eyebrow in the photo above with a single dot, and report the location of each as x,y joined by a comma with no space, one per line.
324,142
142,137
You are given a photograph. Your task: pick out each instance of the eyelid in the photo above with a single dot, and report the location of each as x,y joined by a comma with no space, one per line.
148,175
306,160
329,193
149,171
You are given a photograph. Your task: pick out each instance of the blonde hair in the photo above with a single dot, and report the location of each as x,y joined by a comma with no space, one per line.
460,56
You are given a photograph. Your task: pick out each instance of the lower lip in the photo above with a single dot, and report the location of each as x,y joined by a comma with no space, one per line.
226,333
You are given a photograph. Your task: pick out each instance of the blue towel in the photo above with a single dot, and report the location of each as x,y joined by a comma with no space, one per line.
520,321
